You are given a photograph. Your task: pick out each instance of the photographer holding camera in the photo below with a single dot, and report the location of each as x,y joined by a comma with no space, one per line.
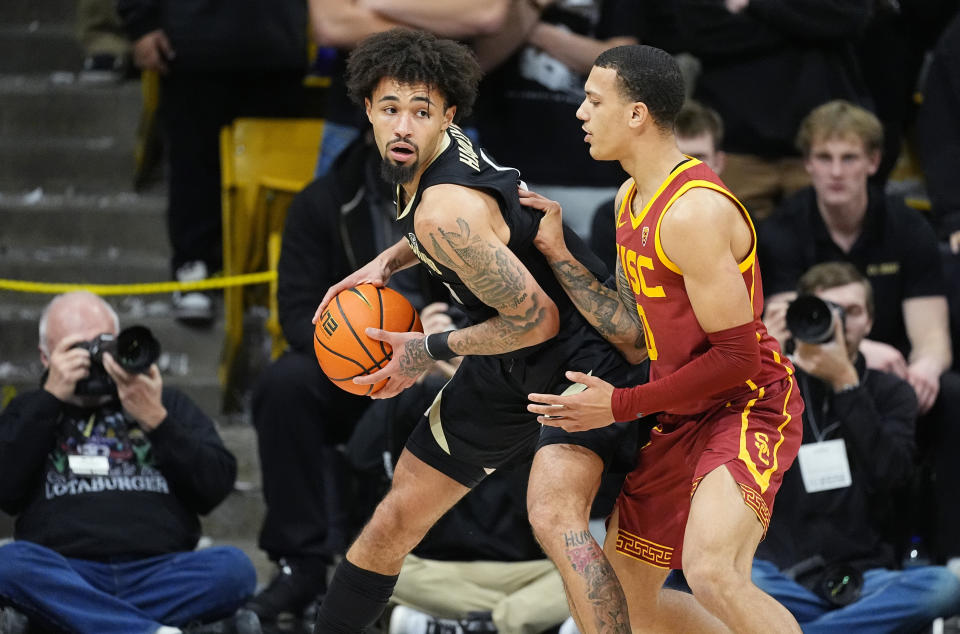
829,555
106,471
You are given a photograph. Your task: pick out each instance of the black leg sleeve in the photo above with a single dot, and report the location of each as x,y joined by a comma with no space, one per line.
354,601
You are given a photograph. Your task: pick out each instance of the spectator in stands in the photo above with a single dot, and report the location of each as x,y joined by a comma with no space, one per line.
105,46
842,218
217,61
829,555
765,65
106,472
333,226
699,131
534,96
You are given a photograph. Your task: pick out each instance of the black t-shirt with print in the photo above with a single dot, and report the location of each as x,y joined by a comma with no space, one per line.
90,483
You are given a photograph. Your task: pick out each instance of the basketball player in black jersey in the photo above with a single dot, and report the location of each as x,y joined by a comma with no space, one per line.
463,221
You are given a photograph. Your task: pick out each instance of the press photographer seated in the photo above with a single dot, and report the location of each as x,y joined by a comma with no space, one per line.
106,472
829,555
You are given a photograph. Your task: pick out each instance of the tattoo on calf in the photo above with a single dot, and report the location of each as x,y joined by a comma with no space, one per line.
603,589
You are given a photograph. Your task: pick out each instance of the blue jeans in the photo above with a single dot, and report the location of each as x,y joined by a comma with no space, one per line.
131,597
891,600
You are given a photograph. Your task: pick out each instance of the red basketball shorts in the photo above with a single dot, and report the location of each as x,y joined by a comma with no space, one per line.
756,437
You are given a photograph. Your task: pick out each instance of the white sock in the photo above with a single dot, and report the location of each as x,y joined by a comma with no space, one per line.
164,629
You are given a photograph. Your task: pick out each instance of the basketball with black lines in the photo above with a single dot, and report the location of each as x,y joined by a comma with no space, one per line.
340,341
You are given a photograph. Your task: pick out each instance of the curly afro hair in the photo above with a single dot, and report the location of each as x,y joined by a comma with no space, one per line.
410,56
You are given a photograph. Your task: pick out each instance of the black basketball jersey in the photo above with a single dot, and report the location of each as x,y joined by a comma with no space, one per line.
463,163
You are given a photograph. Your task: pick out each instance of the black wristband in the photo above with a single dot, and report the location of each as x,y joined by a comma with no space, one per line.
437,347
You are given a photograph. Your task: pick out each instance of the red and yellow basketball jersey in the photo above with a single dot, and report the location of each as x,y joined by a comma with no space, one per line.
673,334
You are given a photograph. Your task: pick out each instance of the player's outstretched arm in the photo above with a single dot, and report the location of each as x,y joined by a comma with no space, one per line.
612,313
377,272
457,228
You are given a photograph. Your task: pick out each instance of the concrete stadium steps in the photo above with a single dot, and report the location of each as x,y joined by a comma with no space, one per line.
85,164
83,265
36,106
32,47
110,223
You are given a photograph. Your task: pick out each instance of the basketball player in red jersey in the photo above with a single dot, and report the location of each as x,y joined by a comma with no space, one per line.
729,426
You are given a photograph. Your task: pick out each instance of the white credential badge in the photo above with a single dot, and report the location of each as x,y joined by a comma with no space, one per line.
824,466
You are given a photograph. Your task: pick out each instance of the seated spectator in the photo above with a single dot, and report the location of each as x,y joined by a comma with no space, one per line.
333,226
699,131
842,218
107,471
828,555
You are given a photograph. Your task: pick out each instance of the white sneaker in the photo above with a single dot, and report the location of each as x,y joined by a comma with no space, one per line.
404,620
569,627
193,307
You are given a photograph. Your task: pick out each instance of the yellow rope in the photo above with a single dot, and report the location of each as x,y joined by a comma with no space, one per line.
22,286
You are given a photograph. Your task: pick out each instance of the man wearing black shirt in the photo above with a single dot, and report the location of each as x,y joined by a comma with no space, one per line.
107,488
837,506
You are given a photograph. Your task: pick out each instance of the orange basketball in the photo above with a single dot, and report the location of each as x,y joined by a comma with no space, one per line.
340,341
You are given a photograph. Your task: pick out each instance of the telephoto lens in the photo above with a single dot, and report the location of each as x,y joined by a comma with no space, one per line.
810,319
136,349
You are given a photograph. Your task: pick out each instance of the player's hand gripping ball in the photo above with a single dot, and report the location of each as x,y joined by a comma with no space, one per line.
340,341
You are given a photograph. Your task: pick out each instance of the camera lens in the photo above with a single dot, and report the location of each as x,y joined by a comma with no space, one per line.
136,349
810,319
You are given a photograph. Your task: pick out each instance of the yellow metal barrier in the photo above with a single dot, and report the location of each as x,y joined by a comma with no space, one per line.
53,288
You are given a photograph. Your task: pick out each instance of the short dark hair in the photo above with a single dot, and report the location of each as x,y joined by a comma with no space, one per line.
650,75
411,56
695,119
831,275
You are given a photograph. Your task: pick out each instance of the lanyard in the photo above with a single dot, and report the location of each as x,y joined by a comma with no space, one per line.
824,412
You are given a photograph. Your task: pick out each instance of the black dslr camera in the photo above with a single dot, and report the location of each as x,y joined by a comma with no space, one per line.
135,349
810,319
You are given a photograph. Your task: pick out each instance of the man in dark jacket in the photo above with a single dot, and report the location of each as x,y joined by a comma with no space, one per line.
106,477
333,226
217,60
829,555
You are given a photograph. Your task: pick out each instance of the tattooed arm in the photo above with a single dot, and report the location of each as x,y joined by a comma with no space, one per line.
463,229
612,313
